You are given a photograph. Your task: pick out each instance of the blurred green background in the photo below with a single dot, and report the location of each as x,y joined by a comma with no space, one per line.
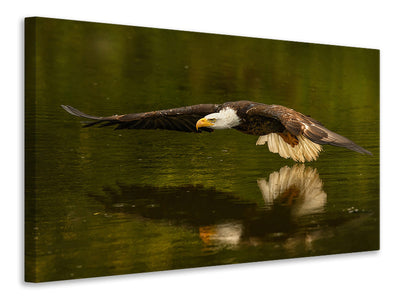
102,202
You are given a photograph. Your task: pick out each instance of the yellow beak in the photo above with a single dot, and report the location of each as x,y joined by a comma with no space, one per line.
203,123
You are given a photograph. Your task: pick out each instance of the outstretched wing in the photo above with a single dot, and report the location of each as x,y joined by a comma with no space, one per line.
180,119
299,124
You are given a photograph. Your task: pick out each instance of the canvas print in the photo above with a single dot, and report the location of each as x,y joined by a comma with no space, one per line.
150,149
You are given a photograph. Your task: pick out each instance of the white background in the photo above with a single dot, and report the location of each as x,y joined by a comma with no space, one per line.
369,24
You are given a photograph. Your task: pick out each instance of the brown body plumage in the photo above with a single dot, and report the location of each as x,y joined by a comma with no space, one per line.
288,132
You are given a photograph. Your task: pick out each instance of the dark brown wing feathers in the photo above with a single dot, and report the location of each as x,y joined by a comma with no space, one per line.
180,119
299,124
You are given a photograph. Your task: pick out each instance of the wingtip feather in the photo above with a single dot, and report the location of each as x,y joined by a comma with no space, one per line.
75,112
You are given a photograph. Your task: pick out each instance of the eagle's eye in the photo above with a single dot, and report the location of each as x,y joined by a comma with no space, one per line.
212,120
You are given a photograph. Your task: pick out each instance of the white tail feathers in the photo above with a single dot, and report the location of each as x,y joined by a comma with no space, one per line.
306,150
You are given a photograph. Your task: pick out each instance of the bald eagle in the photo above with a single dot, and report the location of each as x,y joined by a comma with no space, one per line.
287,132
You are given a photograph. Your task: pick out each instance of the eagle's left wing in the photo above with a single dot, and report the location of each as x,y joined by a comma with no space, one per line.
298,124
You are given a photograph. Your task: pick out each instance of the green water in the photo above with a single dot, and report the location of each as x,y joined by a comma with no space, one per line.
103,202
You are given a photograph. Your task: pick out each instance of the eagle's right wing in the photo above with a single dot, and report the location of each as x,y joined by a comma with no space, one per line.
180,119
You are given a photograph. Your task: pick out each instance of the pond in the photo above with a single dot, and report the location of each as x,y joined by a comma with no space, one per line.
103,202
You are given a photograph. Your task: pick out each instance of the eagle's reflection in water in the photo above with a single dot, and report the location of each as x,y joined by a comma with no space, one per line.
289,194
298,186
293,200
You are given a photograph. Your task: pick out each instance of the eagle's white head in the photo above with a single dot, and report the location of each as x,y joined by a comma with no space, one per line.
224,119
